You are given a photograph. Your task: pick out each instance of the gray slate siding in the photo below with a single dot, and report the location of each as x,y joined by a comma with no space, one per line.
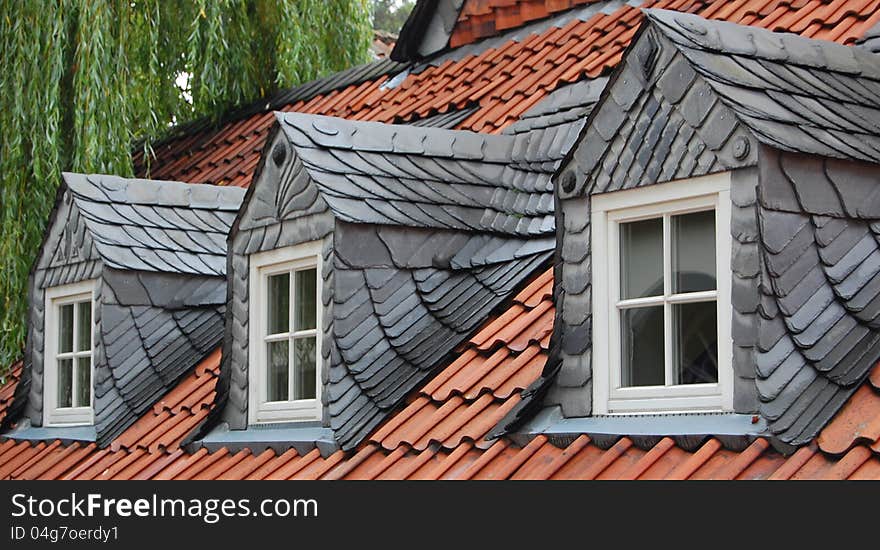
425,232
819,330
157,251
796,122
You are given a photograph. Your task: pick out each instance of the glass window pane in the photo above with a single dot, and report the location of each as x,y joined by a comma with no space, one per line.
65,328
305,299
642,356
83,397
277,371
641,258
279,303
65,383
693,252
695,343
304,359
84,326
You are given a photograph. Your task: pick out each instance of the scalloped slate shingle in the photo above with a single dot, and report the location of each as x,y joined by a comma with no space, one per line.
158,251
694,97
431,230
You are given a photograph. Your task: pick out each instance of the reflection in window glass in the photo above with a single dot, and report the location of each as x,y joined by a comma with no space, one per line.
641,259
65,383
304,357
641,333
693,252
306,292
695,343
279,303
65,329
278,371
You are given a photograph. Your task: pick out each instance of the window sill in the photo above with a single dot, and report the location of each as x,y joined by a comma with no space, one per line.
278,436
66,434
552,424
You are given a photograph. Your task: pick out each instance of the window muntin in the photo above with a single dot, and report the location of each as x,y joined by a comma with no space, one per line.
284,373
667,301
68,368
291,353
661,287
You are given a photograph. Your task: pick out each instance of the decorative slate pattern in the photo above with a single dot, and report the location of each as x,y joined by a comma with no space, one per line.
819,336
802,299
157,251
439,433
794,93
157,226
431,230
153,329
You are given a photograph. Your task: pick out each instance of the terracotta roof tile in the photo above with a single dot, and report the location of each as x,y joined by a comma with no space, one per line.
439,432
503,81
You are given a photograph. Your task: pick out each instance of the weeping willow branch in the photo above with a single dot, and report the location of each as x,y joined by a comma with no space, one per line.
83,80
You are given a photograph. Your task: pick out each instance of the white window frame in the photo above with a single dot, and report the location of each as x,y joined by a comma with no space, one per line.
263,265
55,297
608,211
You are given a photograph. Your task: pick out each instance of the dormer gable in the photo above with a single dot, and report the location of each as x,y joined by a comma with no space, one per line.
418,233
778,129
126,294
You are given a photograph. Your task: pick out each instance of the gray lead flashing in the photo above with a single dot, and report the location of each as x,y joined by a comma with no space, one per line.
302,436
688,429
66,434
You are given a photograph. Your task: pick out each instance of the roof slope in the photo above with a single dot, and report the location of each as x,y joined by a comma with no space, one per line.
158,226
503,80
497,84
438,434
793,93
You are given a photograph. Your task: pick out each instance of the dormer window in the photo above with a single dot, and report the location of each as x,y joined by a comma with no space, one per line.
662,286
68,366
285,383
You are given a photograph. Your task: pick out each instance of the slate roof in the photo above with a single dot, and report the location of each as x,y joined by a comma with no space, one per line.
793,93
438,435
156,226
424,177
819,337
440,226
497,84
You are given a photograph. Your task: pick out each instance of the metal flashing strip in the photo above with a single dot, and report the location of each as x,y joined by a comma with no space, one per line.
280,437
65,434
550,422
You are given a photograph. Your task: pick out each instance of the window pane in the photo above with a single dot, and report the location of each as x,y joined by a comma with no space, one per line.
83,396
641,259
277,372
84,326
642,356
279,303
695,343
693,252
65,328
65,382
305,299
304,358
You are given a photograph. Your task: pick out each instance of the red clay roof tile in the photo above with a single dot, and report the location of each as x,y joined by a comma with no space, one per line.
439,433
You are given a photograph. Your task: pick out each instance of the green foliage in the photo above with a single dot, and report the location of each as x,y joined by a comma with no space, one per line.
83,80
390,15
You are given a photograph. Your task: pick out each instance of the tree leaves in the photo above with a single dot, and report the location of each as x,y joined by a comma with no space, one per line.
83,80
